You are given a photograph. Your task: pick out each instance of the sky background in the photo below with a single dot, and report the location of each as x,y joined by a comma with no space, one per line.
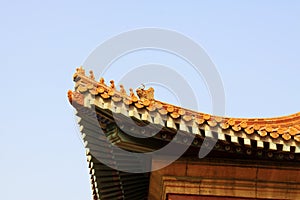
255,46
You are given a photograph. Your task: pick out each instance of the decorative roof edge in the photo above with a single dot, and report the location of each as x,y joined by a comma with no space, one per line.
278,130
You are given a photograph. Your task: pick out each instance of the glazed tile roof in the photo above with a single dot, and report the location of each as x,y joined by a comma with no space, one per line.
284,131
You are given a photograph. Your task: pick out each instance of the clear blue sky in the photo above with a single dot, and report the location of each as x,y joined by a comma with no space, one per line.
255,46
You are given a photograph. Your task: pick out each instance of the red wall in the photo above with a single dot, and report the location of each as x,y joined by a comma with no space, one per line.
192,197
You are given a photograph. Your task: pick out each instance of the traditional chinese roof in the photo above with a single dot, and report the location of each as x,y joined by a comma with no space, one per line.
260,138
271,132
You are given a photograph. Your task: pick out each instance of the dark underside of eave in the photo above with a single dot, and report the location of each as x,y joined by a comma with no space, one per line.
111,184
108,183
